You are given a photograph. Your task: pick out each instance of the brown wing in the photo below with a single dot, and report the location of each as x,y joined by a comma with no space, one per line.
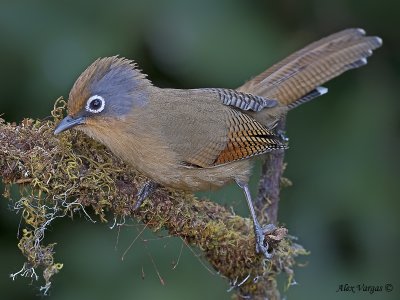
308,68
247,138
220,132
244,137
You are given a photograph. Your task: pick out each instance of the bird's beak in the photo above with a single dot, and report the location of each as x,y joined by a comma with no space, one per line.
68,122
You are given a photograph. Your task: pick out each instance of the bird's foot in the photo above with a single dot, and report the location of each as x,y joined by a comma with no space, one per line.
260,233
147,189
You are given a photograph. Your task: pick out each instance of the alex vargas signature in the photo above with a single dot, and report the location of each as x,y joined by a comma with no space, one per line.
364,288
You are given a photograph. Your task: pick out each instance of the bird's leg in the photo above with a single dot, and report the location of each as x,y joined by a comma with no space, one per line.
147,189
259,231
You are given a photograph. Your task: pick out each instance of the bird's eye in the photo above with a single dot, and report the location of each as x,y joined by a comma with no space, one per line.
95,104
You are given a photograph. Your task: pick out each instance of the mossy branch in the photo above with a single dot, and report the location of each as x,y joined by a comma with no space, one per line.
58,176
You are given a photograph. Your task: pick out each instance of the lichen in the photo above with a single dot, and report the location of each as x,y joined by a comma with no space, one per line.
59,176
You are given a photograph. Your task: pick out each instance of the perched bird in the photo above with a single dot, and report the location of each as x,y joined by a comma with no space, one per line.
198,139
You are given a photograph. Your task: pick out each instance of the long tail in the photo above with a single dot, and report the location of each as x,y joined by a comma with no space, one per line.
297,78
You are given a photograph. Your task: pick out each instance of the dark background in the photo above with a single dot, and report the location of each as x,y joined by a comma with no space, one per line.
344,147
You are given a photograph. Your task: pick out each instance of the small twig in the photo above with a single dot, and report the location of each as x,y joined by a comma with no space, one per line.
269,187
23,180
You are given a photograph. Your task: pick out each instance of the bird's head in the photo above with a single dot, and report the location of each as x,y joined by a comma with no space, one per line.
109,89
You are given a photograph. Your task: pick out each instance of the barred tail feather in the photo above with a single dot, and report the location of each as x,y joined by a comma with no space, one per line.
293,80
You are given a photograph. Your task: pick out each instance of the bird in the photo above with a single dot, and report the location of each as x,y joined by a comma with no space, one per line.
204,138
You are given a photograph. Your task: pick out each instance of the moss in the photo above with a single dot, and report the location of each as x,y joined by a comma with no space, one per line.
60,176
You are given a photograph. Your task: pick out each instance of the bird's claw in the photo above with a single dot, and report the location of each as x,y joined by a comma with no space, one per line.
148,188
261,245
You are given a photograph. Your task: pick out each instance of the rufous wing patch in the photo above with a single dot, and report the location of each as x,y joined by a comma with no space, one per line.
247,138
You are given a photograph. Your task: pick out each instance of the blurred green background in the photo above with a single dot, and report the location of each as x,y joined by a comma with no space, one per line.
344,147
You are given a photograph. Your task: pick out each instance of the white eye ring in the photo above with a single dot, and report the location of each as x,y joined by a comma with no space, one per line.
95,107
